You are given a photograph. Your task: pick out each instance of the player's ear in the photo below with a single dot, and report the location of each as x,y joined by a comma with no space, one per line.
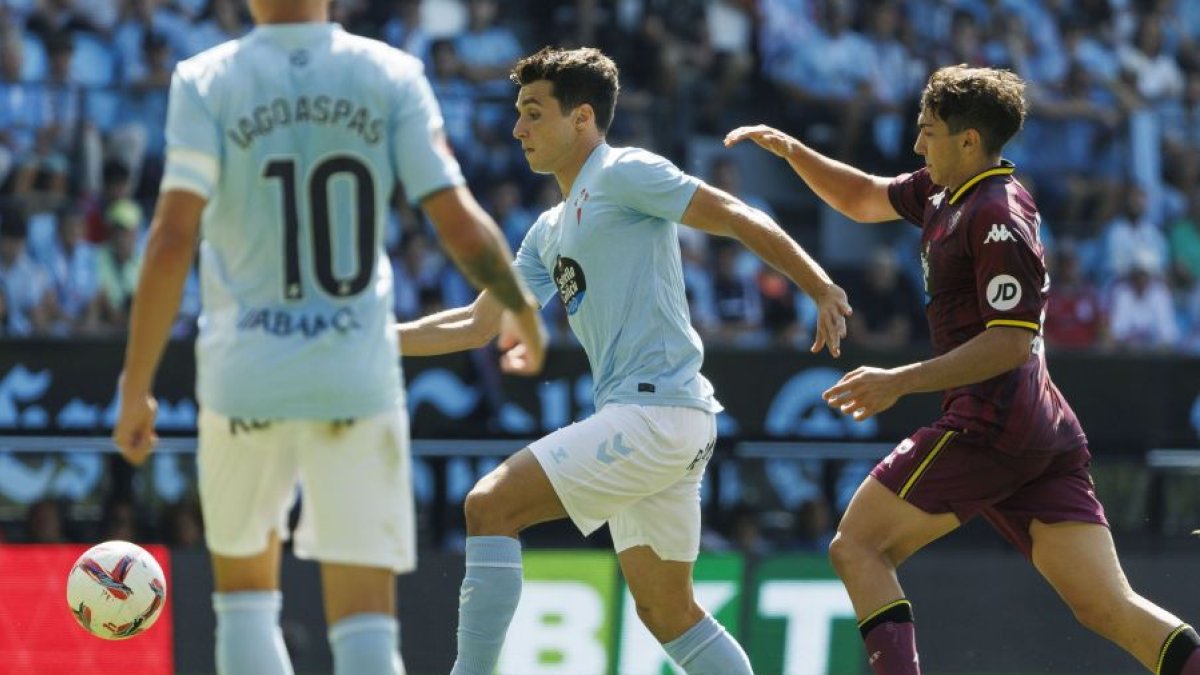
583,113
971,139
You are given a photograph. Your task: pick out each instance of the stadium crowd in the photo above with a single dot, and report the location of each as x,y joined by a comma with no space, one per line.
1111,148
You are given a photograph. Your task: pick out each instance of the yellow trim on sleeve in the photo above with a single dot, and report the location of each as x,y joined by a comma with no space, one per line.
1031,325
881,610
912,480
997,171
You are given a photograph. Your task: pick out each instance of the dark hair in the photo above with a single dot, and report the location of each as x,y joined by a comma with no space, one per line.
988,100
576,76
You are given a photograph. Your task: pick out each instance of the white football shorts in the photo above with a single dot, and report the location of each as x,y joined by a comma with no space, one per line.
355,484
638,468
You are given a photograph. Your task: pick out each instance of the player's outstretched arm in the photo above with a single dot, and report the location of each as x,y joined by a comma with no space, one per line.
478,248
453,330
866,391
170,249
720,213
857,195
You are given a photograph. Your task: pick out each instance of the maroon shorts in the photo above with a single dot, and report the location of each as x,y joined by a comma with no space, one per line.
943,470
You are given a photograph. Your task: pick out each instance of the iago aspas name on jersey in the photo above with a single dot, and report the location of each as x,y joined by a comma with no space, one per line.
324,110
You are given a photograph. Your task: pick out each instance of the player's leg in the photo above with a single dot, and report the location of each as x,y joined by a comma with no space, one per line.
358,521
246,482
888,520
658,539
1080,562
513,496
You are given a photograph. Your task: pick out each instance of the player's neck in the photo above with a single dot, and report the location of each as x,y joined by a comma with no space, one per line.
971,169
292,12
567,174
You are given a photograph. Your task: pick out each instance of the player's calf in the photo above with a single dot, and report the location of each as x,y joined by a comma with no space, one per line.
708,649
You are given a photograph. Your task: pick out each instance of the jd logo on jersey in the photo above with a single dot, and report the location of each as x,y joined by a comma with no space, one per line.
572,285
1003,292
999,232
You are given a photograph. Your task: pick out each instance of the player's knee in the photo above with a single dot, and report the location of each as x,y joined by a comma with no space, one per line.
845,553
1095,612
666,621
485,514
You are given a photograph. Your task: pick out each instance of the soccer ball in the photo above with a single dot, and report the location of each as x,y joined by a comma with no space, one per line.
116,590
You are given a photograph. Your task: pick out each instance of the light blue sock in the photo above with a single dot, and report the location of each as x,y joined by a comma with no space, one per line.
708,649
490,591
249,641
366,644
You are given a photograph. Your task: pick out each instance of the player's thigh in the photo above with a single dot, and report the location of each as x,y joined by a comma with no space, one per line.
356,487
924,489
246,478
622,455
513,496
1079,560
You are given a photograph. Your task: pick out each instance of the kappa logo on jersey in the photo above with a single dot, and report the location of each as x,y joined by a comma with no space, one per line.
999,232
1003,292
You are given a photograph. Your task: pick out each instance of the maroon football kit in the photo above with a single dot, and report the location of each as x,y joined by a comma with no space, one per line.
1008,448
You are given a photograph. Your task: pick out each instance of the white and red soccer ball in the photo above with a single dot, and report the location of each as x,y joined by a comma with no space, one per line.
116,590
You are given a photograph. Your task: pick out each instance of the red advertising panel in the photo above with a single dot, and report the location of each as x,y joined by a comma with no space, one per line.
39,635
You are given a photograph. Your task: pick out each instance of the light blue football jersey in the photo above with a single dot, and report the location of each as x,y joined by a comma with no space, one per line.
297,135
610,251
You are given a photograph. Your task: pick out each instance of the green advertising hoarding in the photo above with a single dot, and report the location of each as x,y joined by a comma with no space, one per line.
801,619
576,617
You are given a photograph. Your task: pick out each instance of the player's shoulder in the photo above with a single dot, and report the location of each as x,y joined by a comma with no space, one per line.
632,158
386,58
1002,211
628,168
209,64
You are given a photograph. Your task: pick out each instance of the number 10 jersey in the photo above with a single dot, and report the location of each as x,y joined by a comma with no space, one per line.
297,136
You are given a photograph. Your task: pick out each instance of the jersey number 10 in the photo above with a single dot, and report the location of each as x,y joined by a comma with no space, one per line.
284,169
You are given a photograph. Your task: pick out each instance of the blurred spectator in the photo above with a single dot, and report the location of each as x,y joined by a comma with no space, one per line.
1132,236
74,276
20,109
46,170
1074,314
220,22
119,263
488,50
116,184
455,95
735,294
28,296
44,523
57,16
1185,239
1142,316
403,29
417,273
504,203
887,313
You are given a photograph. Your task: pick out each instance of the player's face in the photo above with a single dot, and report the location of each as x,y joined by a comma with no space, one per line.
940,148
546,132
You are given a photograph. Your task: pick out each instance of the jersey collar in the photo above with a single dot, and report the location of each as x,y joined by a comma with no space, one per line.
294,34
1006,168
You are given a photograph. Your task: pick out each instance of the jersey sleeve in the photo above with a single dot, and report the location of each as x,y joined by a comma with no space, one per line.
420,153
193,135
909,193
528,263
1010,274
651,185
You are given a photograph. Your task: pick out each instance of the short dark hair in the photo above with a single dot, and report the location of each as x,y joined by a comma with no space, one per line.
576,76
988,100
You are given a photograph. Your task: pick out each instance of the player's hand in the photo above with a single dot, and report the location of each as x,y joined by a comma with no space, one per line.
865,392
134,432
767,138
522,341
832,310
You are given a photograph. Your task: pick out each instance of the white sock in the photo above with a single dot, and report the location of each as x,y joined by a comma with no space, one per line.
249,641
